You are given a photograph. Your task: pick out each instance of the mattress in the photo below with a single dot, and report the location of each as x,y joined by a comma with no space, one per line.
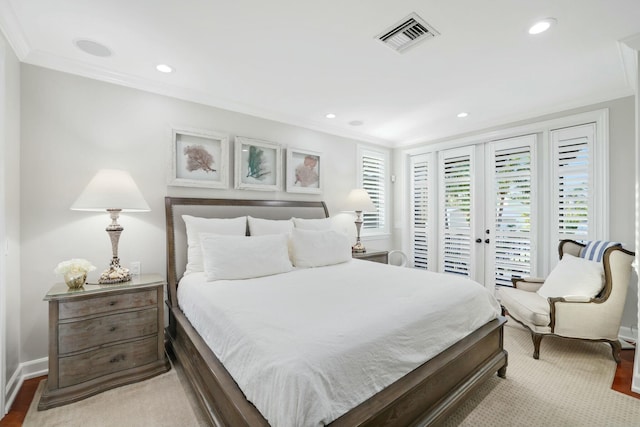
309,345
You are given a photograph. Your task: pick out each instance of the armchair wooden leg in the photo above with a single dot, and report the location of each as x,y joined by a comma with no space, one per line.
616,348
537,338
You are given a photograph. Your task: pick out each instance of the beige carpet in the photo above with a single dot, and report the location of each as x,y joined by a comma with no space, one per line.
569,386
162,401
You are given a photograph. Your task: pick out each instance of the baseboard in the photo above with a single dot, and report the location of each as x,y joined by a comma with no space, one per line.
13,386
628,333
25,371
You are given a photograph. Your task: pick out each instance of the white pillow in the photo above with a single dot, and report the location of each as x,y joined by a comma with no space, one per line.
196,225
312,248
244,257
313,224
574,276
261,227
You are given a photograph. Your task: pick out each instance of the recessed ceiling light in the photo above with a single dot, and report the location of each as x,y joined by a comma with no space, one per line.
542,26
356,123
93,48
463,115
164,68
330,116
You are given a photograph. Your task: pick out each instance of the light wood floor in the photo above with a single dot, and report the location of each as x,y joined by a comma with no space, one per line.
15,417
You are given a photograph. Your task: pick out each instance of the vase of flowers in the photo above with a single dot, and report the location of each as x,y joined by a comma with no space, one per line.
75,272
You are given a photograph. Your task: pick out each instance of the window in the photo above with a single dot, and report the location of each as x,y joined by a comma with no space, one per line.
373,178
573,176
494,206
422,194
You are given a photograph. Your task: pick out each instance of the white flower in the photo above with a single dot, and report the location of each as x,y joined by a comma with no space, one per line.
75,265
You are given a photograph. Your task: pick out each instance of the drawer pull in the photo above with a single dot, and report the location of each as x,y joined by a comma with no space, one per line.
118,358
112,303
112,329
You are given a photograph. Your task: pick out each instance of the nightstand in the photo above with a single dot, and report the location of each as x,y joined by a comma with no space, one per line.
375,256
103,336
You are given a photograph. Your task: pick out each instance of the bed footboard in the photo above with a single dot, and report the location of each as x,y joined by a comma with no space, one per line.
423,397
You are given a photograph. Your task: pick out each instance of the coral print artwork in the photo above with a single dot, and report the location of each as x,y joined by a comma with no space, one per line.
258,164
200,159
304,172
307,172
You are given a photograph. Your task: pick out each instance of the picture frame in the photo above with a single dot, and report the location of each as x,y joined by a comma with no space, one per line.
258,164
304,171
199,158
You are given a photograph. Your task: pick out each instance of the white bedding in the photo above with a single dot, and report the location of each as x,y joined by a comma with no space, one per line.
309,345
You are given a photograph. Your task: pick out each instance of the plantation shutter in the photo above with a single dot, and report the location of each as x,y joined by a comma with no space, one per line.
373,180
573,172
421,211
456,219
511,214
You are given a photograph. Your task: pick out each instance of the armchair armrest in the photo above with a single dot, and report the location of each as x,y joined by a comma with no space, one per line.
582,317
530,284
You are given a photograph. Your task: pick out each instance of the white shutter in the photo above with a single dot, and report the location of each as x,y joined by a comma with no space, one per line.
373,180
457,253
573,172
511,214
422,218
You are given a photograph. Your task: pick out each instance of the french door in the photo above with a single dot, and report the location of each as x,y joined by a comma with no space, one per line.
482,223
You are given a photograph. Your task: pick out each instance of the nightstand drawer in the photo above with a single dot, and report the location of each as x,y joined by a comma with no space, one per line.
71,309
75,336
93,364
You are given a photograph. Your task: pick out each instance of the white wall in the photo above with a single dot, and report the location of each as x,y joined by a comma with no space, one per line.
621,182
73,126
9,214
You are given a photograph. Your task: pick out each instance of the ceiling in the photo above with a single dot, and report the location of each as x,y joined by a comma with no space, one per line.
296,60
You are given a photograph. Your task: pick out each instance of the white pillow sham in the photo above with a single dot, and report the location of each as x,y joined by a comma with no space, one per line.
262,227
313,224
313,248
574,276
196,225
244,257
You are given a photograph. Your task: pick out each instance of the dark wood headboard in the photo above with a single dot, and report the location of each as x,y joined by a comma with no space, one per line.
175,207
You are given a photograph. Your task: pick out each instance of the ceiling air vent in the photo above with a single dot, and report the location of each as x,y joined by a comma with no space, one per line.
407,33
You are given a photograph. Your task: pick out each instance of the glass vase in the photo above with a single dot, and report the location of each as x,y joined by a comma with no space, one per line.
75,279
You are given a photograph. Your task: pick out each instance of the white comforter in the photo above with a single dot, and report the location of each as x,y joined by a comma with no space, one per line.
307,346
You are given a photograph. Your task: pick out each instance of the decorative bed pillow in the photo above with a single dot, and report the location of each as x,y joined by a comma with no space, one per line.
594,250
574,276
312,248
313,224
244,257
261,227
196,225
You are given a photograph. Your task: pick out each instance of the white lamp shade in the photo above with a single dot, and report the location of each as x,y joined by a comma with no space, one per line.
111,189
359,200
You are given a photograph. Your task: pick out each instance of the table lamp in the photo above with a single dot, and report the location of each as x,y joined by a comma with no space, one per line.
114,191
358,200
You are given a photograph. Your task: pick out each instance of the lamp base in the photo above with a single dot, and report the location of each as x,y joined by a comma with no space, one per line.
114,274
358,248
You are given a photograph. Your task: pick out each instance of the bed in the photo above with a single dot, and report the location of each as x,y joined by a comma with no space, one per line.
423,396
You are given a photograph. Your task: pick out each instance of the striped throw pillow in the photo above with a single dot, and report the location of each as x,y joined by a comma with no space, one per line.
595,249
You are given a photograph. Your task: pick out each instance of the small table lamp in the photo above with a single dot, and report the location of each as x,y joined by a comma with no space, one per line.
114,191
358,200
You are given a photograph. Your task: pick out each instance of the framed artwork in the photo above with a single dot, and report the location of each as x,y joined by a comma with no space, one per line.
199,158
304,171
257,164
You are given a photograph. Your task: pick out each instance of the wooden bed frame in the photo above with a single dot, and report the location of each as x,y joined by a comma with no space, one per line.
422,397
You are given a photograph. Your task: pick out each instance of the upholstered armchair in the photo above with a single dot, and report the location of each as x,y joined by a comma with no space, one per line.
575,314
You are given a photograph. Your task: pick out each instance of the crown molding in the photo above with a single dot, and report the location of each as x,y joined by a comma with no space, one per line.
13,31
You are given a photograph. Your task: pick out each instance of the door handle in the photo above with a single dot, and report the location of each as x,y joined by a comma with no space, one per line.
478,240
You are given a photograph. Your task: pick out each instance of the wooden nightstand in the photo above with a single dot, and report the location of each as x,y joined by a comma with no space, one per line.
375,256
103,336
